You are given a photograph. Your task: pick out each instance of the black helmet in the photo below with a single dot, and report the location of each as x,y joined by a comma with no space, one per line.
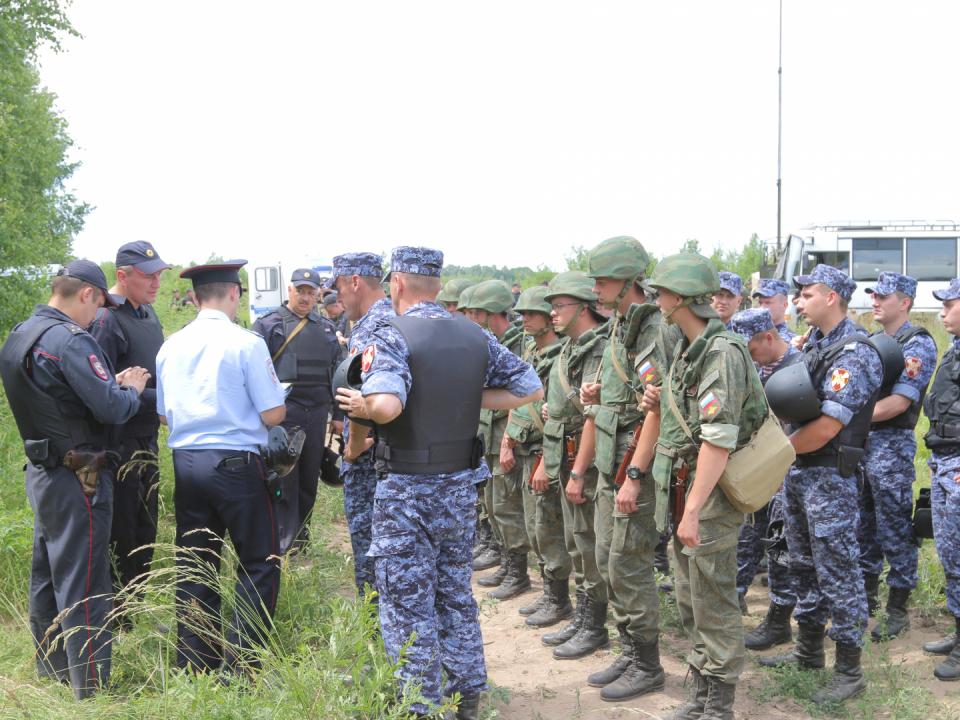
348,374
891,356
281,453
791,394
330,465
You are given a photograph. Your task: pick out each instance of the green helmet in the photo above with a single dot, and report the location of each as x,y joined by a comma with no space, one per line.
620,258
466,297
494,296
451,291
691,276
534,300
574,283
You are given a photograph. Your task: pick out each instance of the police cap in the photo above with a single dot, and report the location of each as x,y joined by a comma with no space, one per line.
228,271
141,256
89,272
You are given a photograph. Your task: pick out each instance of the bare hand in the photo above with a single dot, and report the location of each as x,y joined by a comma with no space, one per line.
350,457
540,482
543,412
135,377
507,461
688,532
575,491
352,403
651,399
799,341
509,441
336,427
627,496
590,393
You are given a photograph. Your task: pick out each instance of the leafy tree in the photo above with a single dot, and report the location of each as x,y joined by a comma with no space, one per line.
578,257
691,245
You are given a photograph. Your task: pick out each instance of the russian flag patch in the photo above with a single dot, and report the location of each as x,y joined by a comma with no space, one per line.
709,405
647,373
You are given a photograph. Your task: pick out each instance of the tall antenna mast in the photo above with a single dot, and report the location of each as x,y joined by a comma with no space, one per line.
779,125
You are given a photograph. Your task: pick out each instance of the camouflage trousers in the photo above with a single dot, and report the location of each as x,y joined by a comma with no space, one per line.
750,553
579,534
886,507
358,488
508,513
422,549
625,546
822,517
546,527
945,501
706,589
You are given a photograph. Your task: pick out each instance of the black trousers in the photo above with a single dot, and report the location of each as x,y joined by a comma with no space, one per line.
135,506
210,501
71,563
300,484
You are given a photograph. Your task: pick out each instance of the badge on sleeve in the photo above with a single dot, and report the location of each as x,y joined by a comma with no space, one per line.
709,405
647,373
839,379
367,359
912,366
98,367
273,372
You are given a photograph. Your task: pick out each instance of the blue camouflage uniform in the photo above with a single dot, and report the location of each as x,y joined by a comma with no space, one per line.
821,504
770,287
423,525
732,282
886,501
359,477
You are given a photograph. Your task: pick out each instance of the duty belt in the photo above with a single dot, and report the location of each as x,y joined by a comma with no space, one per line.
814,461
945,431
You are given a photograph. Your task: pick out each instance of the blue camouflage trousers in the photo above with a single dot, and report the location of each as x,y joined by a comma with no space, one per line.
945,503
750,552
821,518
359,486
886,507
422,547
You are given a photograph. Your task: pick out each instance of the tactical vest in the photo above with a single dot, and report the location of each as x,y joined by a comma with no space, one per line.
522,426
436,432
909,417
305,361
942,403
144,338
38,415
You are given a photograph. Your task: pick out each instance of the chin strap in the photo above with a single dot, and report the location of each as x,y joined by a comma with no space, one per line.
612,305
563,329
694,299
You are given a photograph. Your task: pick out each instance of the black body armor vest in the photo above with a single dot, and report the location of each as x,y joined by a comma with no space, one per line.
942,403
437,430
144,338
909,417
48,432
306,361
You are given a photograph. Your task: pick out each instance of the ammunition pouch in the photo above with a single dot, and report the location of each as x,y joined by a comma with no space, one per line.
87,465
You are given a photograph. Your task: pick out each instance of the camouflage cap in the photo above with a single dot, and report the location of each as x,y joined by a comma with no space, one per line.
574,283
490,295
948,293
452,290
620,258
730,281
891,282
770,286
416,261
688,275
841,283
362,263
533,300
750,322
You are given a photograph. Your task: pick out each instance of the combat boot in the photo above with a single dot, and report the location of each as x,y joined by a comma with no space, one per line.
517,580
774,630
592,635
661,559
483,539
556,608
643,675
871,583
945,646
571,628
898,619
528,610
692,709
467,709
742,599
490,557
949,669
494,579
807,653
607,676
720,695
847,681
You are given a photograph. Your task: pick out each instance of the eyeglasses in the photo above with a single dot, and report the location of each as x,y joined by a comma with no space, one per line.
558,306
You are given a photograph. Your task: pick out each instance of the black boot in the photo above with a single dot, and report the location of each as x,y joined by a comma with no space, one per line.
517,580
494,579
807,653
490,557
898,619
847,681
774,630
556,608
941,647
720,695
643,675
871,583
467,709
661,560
592,635
528,610
667,585
692,709
483,538
607,676
571,628
949,669
742,598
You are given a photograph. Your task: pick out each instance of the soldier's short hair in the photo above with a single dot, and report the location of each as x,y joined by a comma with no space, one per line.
904,296
209,292
421,284
67,287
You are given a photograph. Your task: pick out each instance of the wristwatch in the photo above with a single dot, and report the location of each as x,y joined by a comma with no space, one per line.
576,476
633,472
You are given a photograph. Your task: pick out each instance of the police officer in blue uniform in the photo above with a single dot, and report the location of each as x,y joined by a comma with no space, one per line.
426,375
727,301
821,488
772,295
305,351
67,404
357,278
131,335
217,390
886,501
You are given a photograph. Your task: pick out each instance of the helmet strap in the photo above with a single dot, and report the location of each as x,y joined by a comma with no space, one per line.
668,314
563,329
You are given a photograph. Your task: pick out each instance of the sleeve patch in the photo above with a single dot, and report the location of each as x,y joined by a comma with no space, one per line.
912,366
367,360
648,373
98,367
709,405
273,372
839,379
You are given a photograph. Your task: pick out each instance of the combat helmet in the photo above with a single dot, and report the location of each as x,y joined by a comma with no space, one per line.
576,284
450,292
494,296
691,276
534,300
620,258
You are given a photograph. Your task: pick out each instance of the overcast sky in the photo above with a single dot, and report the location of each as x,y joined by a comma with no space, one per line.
501,132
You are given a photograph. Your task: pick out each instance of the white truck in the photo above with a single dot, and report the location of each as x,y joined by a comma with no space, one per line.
923,249
269,277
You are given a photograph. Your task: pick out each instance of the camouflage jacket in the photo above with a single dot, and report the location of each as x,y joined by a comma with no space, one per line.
522,427
494,422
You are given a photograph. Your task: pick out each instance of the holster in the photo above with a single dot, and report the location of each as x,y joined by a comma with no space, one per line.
87,465
571,443
848,458
628,458
678,489
536,466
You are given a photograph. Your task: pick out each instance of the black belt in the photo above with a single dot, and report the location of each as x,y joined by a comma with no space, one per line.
812,461
945,431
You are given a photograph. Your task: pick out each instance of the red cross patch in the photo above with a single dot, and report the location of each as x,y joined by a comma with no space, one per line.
839,379
98,367
367,360
912,366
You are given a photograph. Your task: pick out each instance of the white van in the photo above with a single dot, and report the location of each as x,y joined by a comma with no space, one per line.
269,277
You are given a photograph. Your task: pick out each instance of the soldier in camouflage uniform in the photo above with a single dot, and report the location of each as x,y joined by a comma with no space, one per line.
886,500
573,310
727,301
449,296
524,440
772,294
712,392
821,488
426,374
627,534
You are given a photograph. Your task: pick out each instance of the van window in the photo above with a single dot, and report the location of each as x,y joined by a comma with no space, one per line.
265,279
874,256
932,259
839,260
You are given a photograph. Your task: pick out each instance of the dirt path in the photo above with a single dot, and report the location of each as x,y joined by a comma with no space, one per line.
542,688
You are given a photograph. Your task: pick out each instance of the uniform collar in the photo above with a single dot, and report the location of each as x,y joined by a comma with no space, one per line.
841,330
211,314
699,344
426,306
52,312
312,315
905,325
